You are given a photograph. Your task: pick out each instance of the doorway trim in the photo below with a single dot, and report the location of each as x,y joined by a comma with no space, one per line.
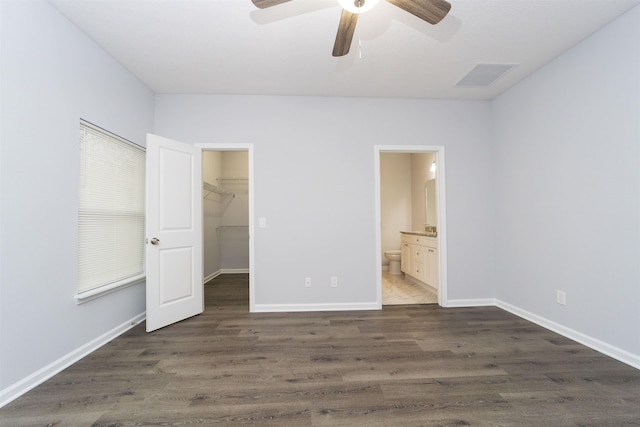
249,149
443,299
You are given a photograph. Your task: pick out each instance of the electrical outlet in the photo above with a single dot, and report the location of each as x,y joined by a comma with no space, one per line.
334,281
561,297
307,282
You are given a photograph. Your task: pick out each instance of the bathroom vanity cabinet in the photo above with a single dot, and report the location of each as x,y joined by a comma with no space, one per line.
420,258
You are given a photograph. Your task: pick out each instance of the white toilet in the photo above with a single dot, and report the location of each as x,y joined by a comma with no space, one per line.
394,261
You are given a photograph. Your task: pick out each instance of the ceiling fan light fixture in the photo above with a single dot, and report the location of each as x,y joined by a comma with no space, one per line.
357,6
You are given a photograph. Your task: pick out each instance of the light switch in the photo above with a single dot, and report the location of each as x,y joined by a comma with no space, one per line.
262,222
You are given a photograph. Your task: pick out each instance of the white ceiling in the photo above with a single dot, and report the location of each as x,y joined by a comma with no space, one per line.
230,47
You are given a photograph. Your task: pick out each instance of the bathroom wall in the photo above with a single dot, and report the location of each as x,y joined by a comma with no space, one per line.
420,173
402,195
395,199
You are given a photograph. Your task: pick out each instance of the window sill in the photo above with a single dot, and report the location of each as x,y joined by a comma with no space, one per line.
87,296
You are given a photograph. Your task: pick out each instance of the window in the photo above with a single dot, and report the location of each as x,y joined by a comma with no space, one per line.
110,214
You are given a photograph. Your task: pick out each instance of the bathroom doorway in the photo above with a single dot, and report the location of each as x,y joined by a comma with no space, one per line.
410,209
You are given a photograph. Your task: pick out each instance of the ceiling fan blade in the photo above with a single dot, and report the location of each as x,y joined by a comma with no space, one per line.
432,11
345,33
263,4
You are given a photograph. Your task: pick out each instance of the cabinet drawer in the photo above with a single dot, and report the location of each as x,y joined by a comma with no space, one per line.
417,240
420,272
418,253
419,259
431,242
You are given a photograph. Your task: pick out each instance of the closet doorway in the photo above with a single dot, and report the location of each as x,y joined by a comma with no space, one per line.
227,212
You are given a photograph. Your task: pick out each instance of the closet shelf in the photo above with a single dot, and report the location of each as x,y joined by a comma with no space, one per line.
232,178
239,185
214,189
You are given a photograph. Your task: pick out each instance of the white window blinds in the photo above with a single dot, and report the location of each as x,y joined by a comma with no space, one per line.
111,211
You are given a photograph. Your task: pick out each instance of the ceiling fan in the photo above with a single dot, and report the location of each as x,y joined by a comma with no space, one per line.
432,11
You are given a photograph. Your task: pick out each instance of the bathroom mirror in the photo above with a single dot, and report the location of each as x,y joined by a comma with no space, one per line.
431,217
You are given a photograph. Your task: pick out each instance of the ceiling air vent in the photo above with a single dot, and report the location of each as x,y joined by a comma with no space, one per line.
484,75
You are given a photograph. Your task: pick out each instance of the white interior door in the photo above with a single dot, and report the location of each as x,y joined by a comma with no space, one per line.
173,231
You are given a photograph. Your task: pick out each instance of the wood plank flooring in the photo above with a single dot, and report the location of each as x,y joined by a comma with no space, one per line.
412,365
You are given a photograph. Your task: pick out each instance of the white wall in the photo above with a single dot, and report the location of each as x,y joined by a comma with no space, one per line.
53,75
234,236
212,207
314,183
567,158
211,166
395,200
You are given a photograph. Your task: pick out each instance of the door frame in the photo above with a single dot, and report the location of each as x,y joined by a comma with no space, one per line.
249,149
443,299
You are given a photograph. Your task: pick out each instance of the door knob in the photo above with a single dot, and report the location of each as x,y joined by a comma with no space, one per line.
155,241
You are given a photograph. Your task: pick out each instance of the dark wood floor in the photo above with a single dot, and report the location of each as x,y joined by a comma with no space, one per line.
402,366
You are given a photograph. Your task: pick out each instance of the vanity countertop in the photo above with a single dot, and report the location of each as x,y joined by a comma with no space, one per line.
419,233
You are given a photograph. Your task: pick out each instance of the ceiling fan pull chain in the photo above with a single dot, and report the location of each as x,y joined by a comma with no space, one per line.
359,48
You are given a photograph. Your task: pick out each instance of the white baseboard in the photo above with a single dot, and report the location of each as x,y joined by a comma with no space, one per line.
225,271
479,302
234,270
594,343
24,385
211,276
283,308
16,390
